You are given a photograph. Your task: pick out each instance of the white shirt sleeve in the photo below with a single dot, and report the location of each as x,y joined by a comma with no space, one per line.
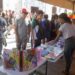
61,28
67,30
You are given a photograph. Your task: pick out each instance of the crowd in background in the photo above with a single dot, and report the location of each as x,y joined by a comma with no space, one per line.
41,29
47,28
7,19
39,25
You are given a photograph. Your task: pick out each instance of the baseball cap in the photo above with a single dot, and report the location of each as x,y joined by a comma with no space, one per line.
24,11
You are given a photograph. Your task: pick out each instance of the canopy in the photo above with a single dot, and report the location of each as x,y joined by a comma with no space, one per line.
69,4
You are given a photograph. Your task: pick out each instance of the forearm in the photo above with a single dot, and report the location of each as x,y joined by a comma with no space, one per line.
57,37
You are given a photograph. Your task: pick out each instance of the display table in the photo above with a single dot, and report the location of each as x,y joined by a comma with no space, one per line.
11,44
16,72
58,54
52,54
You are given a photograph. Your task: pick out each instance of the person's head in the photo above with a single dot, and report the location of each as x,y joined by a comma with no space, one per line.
24,13
3,14
46,16
54,17
63,18
39,15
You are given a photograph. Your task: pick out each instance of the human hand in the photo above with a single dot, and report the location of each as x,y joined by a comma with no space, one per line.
33,43
51,42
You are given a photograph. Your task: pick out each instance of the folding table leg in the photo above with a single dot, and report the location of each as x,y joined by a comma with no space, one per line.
46,67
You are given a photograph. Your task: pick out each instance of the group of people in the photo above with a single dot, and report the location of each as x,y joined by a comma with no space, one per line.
42,29
39,26
6,20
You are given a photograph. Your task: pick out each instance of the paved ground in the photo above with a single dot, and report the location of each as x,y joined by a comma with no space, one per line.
58,67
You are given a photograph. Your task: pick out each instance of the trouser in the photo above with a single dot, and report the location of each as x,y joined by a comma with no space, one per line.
68,52
37,43
21,45
4,40
1,45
